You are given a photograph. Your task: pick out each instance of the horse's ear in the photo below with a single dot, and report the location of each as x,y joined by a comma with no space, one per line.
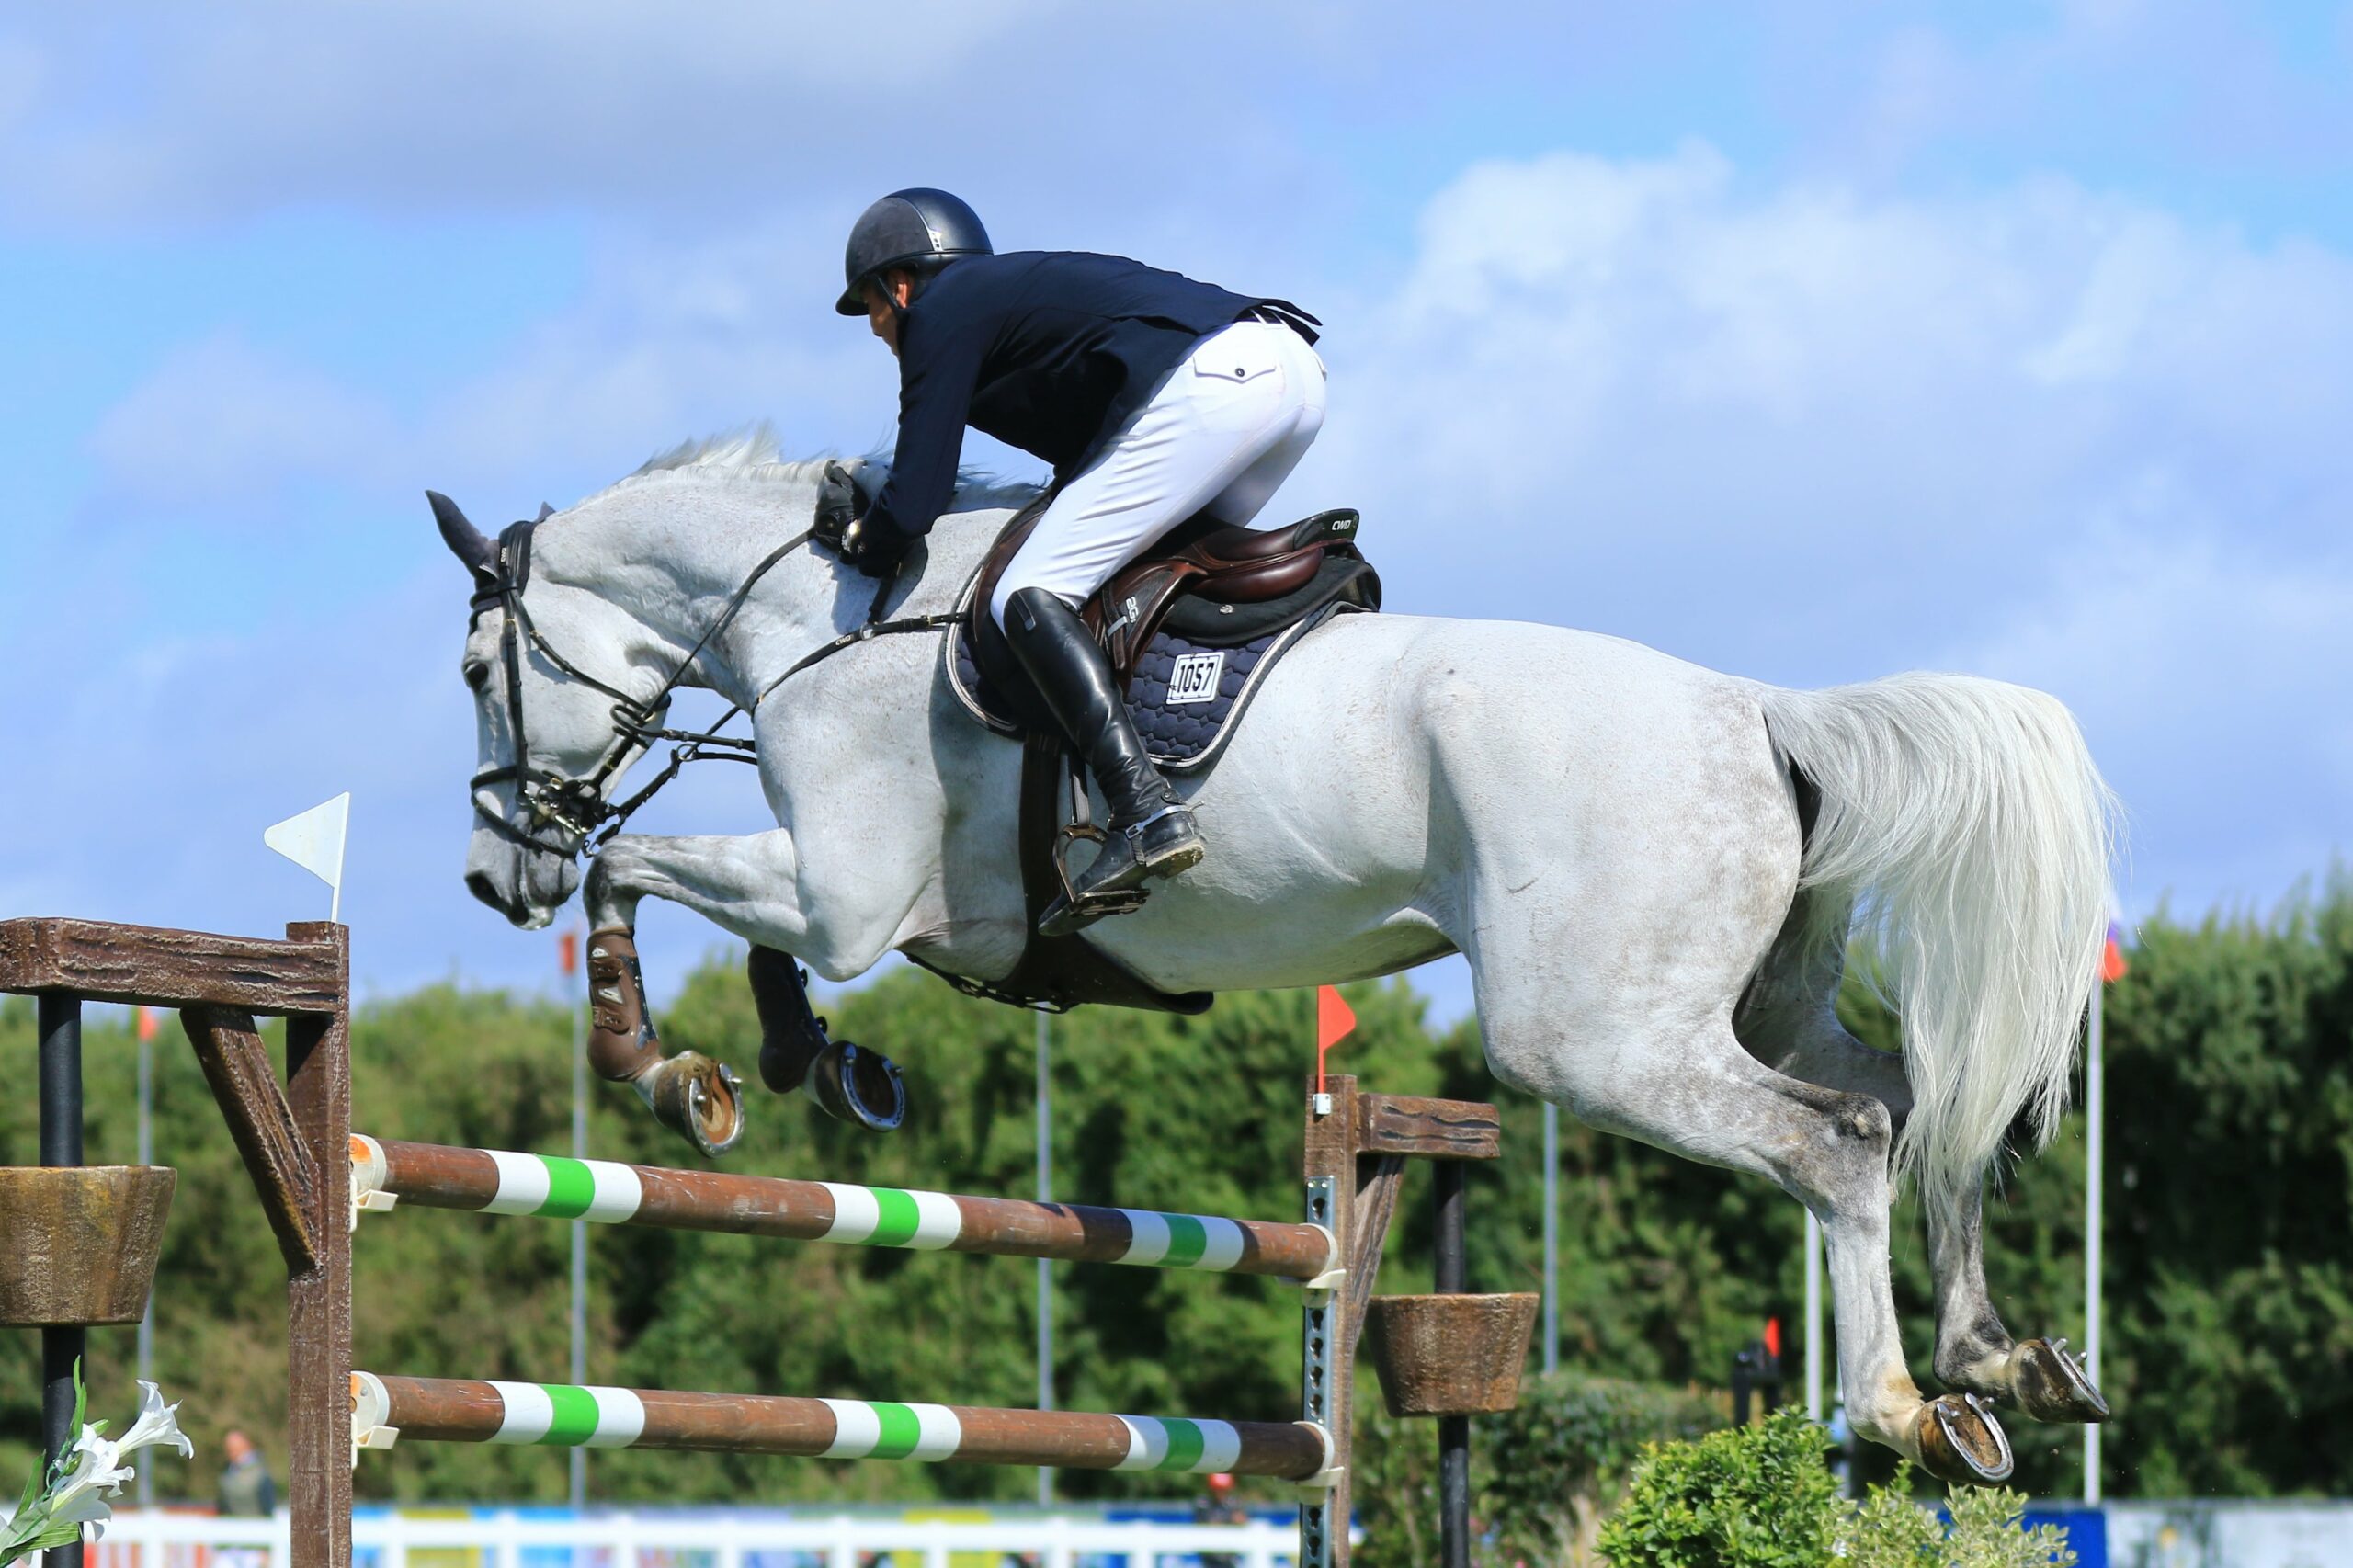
467,542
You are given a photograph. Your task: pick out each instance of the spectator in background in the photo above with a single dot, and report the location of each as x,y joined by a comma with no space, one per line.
246,1490
1218,1507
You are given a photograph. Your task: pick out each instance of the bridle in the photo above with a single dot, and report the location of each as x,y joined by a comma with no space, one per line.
576,808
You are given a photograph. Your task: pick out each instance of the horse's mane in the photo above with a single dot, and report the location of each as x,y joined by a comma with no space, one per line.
751,454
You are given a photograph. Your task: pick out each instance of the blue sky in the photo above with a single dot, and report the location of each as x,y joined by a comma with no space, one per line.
1811,342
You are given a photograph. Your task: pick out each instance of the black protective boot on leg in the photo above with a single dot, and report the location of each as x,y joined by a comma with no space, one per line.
1151,831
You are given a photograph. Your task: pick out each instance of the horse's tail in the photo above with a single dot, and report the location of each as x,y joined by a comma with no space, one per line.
1967,822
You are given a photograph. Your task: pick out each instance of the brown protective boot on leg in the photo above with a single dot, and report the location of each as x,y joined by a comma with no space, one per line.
689,1094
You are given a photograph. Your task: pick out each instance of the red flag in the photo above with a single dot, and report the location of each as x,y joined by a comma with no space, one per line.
567,951
1334,1019
145,1022
2112,967
1773,1337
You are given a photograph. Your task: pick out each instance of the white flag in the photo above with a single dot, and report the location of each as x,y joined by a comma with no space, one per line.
313,840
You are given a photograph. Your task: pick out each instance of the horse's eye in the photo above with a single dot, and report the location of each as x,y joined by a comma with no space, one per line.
477,674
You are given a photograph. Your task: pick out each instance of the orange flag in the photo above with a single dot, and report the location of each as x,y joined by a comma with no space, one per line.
1334,1019
146,1024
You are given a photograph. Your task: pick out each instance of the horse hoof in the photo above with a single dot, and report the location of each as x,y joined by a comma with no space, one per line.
696,1098
2051,1385
1960,1441
859,1086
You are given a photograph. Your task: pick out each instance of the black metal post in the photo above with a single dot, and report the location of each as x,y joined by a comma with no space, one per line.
1453,1431
1743,1382
61,1145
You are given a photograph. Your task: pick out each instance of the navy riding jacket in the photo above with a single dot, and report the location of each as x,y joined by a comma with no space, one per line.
1049,351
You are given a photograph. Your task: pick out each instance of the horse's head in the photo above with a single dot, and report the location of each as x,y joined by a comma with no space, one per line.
551,668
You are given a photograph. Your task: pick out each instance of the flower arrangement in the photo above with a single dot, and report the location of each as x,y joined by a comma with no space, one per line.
77,1488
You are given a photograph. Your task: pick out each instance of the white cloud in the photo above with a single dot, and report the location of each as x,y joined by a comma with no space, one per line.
1879,417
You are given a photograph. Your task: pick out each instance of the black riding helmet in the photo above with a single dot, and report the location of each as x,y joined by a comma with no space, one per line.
922,229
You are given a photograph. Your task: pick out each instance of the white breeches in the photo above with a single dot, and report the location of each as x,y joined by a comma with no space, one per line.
1221,432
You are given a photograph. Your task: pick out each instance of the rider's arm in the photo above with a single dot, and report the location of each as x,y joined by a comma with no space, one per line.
935,382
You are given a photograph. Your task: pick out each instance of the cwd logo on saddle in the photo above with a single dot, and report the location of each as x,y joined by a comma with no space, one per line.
1194,678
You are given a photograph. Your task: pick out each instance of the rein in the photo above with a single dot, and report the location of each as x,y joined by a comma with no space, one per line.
576,807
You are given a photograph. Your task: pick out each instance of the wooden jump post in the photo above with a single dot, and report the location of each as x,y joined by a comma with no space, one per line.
315,1177
295,1139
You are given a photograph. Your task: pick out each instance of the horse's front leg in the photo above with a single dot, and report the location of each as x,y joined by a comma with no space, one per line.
749,886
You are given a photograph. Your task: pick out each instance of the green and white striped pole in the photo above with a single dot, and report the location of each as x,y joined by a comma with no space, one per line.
603,1191
459,1410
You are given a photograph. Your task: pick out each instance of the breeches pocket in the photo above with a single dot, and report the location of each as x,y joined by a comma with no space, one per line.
1240,357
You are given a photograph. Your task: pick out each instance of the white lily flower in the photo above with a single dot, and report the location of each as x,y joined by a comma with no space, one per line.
81,1495
86,1509
157,1425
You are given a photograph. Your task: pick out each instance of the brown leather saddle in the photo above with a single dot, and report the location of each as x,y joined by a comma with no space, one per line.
1283,575
1207,583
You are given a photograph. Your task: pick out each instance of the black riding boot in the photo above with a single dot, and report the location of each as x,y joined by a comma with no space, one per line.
1152,833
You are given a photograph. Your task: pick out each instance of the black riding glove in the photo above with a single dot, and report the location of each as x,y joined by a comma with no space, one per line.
875,549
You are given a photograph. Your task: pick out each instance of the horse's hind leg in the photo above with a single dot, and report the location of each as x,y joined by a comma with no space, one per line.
1702,1097
1974,1350
1788,1019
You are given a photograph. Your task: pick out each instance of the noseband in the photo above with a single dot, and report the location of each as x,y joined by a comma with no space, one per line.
576,808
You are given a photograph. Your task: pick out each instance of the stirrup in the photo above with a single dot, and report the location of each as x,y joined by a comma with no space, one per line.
1076,910
1088,907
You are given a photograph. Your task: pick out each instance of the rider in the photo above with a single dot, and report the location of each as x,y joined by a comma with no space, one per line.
1157,399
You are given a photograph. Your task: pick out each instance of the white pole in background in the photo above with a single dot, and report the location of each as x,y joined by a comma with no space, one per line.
580,1227
1045,1265
1552,1237
1813,1317
2094,1115
145,1492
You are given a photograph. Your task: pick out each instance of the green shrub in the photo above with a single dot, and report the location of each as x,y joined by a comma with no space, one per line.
1554,1464
1744,1497
1760,1497
1889,1529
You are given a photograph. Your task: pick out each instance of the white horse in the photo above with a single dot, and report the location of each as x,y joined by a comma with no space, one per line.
1651,868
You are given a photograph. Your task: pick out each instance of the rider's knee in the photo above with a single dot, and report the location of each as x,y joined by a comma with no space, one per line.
1001,597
